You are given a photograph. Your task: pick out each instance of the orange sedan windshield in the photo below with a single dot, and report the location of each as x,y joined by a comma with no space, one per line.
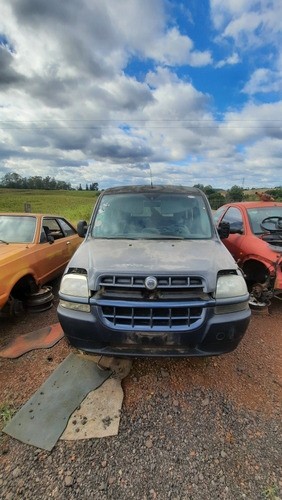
14,229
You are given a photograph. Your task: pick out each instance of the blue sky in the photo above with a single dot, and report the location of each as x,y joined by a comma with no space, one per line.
95,91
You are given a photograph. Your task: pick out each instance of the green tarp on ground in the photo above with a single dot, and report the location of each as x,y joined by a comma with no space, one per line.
42,420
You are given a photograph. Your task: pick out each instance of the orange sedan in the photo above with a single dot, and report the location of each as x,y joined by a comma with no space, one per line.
34,249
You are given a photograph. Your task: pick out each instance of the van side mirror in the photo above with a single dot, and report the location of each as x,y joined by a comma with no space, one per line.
82,228
223,230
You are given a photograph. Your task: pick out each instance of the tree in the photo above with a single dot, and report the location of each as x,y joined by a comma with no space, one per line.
209,190
216,200
214,196
12,180
236,193
15,181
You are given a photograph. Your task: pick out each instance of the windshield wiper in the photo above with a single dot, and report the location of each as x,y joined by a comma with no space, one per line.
170,237
5,242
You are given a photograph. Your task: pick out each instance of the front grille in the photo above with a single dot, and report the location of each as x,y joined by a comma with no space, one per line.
152,317
121,281
162,314
120,287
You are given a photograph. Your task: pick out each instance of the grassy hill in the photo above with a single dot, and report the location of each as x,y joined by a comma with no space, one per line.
74,205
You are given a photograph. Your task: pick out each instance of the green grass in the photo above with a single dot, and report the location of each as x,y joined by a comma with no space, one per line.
74,205
6,413
271,493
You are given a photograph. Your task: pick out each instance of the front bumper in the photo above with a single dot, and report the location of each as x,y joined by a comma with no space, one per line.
217,334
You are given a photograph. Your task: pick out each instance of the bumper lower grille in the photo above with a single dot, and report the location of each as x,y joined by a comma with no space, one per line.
152,318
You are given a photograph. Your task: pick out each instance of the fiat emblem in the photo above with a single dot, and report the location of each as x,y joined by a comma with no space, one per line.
151,282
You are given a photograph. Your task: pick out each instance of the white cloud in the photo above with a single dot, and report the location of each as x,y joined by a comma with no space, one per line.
231,60
68,109
264,80
175,49
162,76
248,22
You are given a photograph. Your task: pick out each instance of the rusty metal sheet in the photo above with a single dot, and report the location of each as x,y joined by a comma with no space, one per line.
38,339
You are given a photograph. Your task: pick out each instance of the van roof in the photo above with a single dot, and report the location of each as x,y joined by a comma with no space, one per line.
170,189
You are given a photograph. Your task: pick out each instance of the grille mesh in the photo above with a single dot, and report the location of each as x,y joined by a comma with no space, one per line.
151,317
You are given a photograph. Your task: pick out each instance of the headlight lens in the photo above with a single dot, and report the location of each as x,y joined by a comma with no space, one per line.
230,285
75,285
74,306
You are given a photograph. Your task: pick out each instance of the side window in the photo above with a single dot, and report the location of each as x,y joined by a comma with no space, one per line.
218,213
67,228
234,217
52,228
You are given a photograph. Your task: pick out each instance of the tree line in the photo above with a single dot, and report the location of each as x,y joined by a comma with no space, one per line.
218,197
16,181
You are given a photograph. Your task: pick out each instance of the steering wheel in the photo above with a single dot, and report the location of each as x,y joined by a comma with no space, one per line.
174,230
167,229
276,221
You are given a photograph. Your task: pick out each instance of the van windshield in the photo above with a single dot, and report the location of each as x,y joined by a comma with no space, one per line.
152,215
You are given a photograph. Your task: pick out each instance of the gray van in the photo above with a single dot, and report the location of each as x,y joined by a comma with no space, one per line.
152,278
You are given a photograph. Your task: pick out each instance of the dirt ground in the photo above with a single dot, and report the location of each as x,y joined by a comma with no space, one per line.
251,376
209,414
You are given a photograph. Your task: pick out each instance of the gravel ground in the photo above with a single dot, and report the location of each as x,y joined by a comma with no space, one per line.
190,429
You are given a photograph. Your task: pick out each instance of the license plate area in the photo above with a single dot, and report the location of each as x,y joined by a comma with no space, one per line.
151,339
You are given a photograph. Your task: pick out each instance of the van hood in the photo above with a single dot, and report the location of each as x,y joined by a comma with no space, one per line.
203,258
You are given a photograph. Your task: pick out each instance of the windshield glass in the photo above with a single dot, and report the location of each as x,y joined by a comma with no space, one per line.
17,229
257,215
155,215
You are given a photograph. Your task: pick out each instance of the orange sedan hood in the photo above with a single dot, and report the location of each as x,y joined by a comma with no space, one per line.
11,250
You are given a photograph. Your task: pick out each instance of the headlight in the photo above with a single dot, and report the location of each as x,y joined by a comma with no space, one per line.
74,306
230,285
75,285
